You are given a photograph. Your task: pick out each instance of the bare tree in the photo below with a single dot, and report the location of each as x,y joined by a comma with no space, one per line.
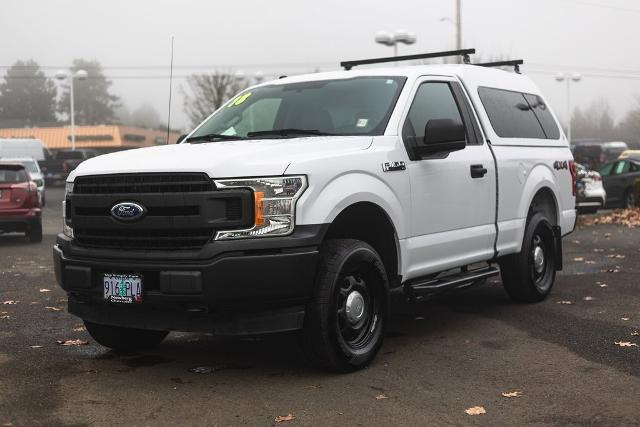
629,128
207,92
595,122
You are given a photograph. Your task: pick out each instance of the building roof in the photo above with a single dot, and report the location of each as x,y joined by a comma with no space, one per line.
102,136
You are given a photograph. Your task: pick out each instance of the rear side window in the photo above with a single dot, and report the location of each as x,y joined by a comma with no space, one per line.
518,115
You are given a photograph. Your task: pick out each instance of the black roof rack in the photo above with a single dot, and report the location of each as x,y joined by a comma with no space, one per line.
463,52
515,63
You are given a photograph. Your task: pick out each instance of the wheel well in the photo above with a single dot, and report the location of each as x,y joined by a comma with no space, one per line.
545,201
370,223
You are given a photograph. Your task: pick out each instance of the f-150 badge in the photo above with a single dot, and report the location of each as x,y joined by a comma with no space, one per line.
393,166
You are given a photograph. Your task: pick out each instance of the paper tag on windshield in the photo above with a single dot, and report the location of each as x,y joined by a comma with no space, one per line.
361,123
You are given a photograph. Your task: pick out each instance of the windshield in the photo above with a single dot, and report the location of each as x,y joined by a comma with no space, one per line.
356,106
30,165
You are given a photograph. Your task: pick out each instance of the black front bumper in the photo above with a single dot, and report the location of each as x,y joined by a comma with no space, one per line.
240,287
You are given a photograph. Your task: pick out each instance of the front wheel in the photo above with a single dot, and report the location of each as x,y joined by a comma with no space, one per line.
347,316
529,275
124,339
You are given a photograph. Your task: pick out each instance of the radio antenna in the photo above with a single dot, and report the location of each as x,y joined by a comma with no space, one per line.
170,85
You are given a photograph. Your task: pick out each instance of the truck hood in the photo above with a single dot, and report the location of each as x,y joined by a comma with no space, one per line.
223,159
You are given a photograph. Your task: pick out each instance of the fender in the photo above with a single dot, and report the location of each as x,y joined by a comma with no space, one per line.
322,204
511,231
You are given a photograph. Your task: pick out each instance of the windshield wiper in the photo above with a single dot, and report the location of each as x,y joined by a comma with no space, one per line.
288,132
212,136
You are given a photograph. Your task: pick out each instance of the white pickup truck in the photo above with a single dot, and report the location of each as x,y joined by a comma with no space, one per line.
307,202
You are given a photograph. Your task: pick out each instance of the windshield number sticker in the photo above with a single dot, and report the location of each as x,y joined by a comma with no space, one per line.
239,100
361,123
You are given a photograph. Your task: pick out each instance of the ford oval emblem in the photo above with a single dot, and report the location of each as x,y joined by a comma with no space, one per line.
127,211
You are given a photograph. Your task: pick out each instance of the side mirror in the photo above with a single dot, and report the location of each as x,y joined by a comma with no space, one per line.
441,137
181,138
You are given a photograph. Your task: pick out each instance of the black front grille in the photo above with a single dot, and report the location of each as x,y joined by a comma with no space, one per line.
144,239
143,183
183,211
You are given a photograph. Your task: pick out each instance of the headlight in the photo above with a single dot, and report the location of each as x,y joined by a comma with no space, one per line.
39,182
67,230
275,204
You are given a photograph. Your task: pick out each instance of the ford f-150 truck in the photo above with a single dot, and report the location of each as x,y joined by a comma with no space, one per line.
308,203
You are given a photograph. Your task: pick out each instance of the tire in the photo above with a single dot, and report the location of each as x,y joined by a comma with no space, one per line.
629,201
587,210
346,318
34,233
124,339
529,275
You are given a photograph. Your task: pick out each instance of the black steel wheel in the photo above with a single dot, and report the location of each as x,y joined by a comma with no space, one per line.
529,275
346,319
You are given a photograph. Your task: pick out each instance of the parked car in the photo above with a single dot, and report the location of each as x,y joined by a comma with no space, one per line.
620,179
308,202
62,163
590,195
23,148
596,154
19,204
33,168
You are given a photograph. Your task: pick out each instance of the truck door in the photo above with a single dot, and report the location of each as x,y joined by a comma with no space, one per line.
454,197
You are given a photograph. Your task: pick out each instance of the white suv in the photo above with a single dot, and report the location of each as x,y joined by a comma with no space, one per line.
305,203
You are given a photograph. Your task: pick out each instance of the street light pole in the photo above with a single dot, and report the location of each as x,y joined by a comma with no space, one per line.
560,77
80,75
458,24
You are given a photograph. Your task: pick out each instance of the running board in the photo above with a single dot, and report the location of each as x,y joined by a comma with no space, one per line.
420,288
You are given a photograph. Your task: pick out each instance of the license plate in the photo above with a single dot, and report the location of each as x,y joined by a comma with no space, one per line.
123,288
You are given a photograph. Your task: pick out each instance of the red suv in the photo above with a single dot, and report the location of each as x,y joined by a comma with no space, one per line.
19,204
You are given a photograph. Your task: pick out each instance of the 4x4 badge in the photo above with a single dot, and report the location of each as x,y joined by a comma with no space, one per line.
393,166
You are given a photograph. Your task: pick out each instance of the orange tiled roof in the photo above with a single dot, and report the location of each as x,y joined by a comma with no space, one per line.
102,136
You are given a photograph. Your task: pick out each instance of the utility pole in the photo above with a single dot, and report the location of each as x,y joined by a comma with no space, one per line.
458,24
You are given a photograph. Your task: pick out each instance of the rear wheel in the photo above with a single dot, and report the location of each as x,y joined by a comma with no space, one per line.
346,319
528,276
629,199
34,233
124,339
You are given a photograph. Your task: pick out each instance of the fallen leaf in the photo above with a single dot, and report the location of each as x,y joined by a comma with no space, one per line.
625,344
635,334
381,396
589,262
578,259
72,342
565,302
35,346
53,308
5,316
603,285
45,290
281,418
625,319
512,394
475,410
607,235
598,250
610,270
79,329
9,302
589,298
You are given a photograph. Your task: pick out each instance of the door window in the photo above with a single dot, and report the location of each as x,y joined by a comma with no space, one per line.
433,100
621,167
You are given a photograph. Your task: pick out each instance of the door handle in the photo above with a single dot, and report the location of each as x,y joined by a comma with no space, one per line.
478,171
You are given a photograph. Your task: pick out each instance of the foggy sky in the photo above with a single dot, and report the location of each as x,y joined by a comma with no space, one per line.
295,36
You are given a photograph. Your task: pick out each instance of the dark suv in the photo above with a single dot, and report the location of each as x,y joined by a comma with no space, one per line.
19,203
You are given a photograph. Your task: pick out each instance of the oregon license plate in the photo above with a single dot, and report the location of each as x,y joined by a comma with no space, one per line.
122,288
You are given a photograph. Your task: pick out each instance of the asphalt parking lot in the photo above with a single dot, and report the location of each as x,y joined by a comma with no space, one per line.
439,358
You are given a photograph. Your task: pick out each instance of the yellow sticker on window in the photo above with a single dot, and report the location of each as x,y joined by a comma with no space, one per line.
240,99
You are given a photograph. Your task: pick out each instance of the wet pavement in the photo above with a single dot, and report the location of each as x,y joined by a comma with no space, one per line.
439,358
